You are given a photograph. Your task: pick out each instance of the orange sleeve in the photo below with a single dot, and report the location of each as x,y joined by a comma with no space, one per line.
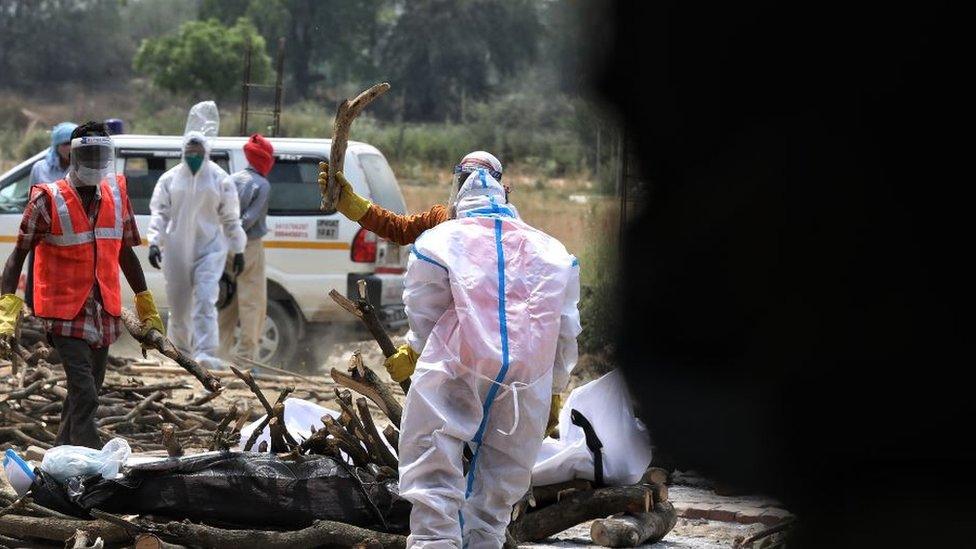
402,229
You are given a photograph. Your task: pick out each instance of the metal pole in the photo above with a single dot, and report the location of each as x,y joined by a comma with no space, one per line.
245,88
279,89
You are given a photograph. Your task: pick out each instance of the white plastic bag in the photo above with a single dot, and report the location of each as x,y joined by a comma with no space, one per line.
605,402
300,416
63,462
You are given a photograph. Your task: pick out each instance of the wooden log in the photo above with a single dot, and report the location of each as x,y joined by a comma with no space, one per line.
378,449
655,475
152,541
80,540
59,529
365,382
323,534
347,112
578,508
631,530
551,493
151,337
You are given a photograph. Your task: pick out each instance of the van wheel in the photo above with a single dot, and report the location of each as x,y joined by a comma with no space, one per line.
279,342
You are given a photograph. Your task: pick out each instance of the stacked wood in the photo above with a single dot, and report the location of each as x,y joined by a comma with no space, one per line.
149,417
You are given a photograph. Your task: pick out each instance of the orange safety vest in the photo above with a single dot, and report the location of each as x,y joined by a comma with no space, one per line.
74,254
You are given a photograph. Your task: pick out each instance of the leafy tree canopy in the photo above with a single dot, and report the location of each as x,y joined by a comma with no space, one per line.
203,57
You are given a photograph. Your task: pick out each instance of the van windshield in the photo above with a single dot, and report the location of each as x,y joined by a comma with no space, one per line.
382,183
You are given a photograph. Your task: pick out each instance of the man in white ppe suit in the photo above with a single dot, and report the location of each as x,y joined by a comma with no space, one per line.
492,308
195,218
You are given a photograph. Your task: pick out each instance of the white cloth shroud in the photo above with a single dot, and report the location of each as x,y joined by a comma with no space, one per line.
606,403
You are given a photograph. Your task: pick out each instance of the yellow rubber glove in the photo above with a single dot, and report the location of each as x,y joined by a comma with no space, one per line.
402,364
555,405
349,204
10,307
146,309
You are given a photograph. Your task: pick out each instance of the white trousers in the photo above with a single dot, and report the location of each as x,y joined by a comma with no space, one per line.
192,292
443,411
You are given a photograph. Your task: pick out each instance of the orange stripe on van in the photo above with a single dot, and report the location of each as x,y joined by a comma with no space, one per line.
306,245
287,244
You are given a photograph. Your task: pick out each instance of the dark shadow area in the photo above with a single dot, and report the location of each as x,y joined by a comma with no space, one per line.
793,288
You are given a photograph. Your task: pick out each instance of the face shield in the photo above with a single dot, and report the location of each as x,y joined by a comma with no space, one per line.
92,160
457,181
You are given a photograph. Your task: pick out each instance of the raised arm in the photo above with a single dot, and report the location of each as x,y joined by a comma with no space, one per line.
402,229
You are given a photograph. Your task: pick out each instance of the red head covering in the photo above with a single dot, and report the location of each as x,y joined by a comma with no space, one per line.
259,153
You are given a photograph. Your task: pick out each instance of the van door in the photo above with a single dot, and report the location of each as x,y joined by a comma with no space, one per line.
14,192
142,169
306,252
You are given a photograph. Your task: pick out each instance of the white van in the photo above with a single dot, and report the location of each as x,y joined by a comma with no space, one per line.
307,253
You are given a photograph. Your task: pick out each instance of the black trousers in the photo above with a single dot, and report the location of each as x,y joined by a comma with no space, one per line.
84,367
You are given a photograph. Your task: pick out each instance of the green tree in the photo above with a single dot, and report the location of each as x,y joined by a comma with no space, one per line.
203,57
52,42
334,41
442,53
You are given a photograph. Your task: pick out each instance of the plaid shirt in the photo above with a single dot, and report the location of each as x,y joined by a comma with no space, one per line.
93,324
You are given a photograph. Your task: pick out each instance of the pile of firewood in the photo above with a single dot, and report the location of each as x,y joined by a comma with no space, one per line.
150,419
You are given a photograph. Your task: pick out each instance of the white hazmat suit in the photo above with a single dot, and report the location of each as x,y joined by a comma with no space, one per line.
492,307
195,219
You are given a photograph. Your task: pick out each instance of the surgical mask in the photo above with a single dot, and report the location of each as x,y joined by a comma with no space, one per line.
88,176
194,162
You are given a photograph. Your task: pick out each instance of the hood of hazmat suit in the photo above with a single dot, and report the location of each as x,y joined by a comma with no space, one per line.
492,308
196,221
48,169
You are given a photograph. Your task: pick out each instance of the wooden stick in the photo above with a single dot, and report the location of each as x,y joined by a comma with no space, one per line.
351,445
365,382
365,312
374,440
393,437
248,379
152,338
274,369
170,441
346,113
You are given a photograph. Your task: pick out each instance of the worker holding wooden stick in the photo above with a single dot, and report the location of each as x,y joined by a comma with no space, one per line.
405,229
82,231
492,308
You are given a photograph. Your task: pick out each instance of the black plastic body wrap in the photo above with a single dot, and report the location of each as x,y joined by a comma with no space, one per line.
246,489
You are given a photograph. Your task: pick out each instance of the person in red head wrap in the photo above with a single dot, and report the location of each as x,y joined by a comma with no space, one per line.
249,303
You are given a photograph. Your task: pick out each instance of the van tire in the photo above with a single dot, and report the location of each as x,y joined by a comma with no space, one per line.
285,330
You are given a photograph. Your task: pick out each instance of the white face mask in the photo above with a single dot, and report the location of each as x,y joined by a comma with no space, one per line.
88,176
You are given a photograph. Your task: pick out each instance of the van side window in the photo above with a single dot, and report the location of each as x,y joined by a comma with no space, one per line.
382,183
295,186
13,196
144,168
